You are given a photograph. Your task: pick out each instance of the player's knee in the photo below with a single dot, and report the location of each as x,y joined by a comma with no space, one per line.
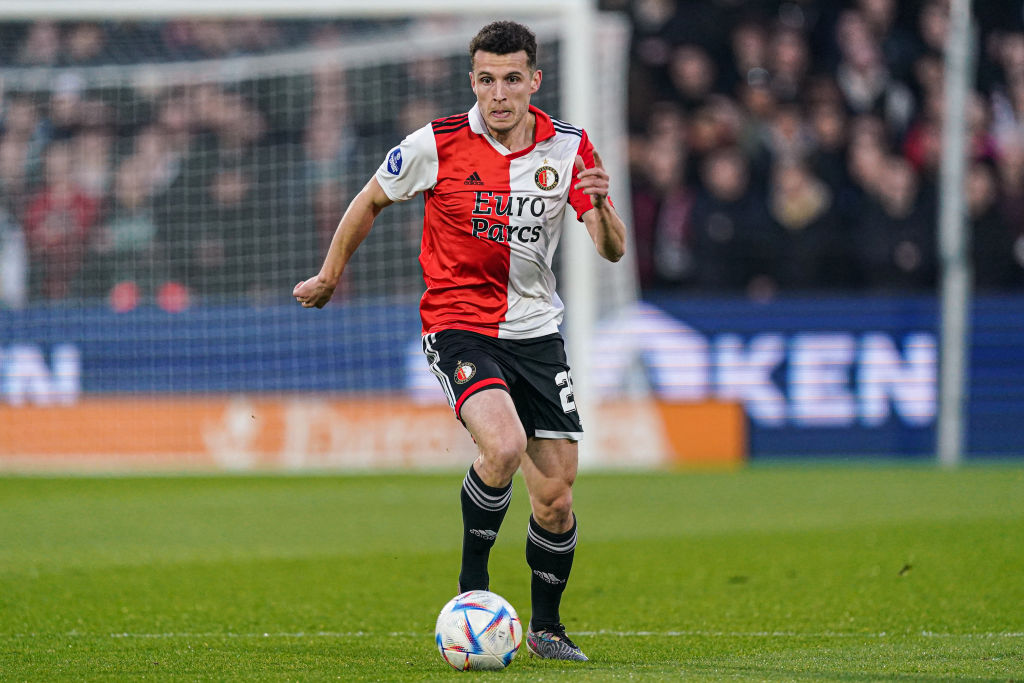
501,458
555,512
508,449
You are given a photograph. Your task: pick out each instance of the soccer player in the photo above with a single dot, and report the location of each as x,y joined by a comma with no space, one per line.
496,182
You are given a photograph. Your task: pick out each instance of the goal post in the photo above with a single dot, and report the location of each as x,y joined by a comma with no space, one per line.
954,239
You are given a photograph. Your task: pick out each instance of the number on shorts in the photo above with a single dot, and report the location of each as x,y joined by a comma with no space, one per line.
563,380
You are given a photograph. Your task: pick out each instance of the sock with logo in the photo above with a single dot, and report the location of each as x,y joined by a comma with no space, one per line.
550,558
483,509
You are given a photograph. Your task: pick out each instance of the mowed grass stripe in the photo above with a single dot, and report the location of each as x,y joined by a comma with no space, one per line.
582,634
779,573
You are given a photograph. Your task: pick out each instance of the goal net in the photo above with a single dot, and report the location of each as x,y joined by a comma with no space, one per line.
163,193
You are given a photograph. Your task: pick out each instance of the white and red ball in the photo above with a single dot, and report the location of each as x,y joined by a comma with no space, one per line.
478,630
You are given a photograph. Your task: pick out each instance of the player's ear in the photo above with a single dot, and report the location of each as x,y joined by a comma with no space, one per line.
535,81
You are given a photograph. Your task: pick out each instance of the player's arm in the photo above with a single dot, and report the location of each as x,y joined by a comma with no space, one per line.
603,223
352,230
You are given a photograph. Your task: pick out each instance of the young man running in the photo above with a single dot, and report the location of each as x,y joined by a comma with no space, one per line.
497,180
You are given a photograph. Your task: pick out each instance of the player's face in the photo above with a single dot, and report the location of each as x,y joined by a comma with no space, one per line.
503,85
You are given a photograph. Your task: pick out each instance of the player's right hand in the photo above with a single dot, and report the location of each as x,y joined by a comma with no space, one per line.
592,181
313,293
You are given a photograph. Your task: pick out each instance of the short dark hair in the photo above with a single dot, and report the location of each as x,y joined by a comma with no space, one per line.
504,38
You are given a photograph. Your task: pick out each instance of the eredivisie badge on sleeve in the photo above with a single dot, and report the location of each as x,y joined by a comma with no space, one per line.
395,161
546,177
464,372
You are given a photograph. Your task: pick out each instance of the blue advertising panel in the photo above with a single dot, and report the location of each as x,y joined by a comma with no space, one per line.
817,376
352,347
840,376
859,375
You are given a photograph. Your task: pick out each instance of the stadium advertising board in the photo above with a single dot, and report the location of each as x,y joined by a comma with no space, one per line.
814,377
328,432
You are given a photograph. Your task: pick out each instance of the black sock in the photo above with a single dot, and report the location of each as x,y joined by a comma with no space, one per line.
550,558
483,509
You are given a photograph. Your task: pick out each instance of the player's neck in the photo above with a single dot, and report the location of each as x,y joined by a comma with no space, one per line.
518,138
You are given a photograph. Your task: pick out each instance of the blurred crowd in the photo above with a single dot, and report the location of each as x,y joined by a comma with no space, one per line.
796,145
775,146
209,188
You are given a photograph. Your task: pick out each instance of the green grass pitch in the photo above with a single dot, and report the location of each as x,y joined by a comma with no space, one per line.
787,572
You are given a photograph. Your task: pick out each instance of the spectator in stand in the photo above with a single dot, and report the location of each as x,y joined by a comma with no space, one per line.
812,242
758,104
734,249
979,128
41,46
1008,115
21,145
895,237
933,24
1011,55
84,44
865,81
788,136
749,43
715,125
233,123
789,63
866,156
58,221
254,35
123,250
1011,181
156,158
929,72
922,147
66,105
692,74
898,45
992,240
92,159
176,127
828,126
666,125
662,211
650,50
923,143
426,82
227,244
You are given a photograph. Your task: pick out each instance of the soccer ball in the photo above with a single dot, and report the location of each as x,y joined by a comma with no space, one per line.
478,630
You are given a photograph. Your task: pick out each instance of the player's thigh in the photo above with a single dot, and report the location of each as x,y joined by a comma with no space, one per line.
490,416
464,363
476,384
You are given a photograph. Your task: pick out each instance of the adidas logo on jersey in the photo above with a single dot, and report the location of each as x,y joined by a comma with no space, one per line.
474,179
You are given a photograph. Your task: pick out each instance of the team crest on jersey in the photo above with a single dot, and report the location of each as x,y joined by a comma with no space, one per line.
546,178
464,372
395,161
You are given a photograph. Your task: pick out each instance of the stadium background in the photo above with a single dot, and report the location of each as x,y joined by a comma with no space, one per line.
782,183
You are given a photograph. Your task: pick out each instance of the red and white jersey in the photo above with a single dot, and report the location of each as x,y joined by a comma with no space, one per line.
492,221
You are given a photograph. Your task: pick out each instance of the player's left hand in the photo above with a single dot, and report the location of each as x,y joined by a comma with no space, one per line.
592,181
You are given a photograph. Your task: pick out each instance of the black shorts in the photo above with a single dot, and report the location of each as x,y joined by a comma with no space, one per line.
533,371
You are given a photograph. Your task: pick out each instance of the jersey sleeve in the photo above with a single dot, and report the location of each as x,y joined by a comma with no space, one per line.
580,201
411,167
